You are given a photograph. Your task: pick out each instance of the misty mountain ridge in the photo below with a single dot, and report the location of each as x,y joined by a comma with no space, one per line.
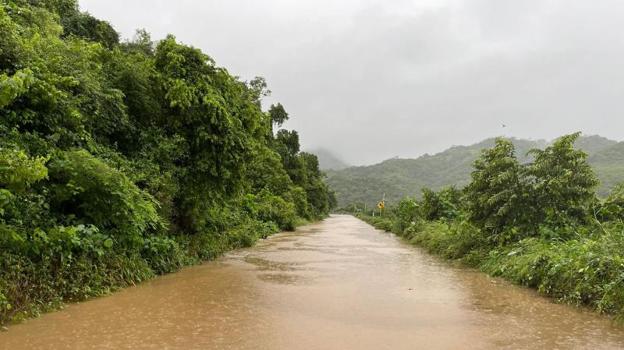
400,177
328,160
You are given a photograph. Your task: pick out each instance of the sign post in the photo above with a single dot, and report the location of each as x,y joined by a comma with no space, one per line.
382,205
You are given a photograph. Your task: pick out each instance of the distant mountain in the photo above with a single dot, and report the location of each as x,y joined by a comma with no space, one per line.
329,161
398,178
609,166
594,144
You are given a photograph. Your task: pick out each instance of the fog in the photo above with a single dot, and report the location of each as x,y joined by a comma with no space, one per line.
373,79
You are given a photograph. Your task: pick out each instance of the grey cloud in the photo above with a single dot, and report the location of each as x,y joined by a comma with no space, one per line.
375,79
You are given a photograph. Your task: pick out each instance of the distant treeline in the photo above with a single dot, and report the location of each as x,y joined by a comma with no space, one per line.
123,160
538,224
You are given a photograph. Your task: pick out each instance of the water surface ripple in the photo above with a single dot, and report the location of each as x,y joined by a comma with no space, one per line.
338,284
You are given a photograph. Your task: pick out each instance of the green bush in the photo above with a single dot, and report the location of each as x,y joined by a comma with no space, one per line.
18,171
444,204
270,208
300,199
86,190
612,209
407,213
247,234
163,254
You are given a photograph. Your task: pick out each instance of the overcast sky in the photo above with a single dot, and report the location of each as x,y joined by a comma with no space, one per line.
374,79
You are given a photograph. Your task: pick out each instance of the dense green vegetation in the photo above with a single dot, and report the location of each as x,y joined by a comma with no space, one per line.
398,178
539,224
123,160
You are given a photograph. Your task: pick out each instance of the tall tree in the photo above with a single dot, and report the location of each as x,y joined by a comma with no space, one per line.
563,182
497,197
278,114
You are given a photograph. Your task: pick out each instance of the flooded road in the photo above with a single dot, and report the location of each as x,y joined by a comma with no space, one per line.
339,284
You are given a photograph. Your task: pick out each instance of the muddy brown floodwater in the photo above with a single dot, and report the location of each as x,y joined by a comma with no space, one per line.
338,284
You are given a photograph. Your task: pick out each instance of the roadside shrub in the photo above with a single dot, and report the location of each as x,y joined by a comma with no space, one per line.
208,246
406,213
379,222
32,285
247,234
300,199
444,204
270,208
587,271
86,190
163,254
452,240
18,171
5,305
612,209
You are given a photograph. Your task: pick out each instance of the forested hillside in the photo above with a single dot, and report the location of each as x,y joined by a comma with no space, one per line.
398,178
608,164
123,160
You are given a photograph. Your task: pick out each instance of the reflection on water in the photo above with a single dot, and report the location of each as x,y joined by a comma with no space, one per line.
338,284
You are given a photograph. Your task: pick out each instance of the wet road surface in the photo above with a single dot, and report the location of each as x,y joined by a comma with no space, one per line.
337,284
